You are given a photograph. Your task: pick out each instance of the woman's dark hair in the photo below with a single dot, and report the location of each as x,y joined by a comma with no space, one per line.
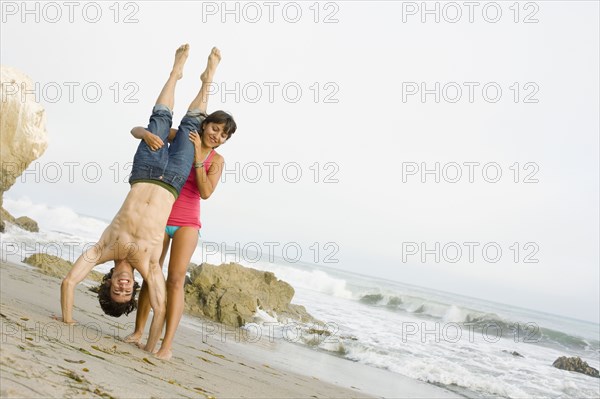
111,307
221,117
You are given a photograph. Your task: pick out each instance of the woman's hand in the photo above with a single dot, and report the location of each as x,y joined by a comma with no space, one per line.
197,141
153,141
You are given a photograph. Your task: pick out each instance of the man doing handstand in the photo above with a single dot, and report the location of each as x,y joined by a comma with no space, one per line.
134,237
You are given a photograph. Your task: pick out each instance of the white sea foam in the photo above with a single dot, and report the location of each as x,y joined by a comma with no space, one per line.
315,280
260,316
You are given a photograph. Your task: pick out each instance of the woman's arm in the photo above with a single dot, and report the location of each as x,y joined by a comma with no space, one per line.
206,182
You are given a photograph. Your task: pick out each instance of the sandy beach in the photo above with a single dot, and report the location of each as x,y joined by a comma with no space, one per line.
41,357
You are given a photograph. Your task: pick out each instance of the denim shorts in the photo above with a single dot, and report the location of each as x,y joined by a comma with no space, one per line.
170,164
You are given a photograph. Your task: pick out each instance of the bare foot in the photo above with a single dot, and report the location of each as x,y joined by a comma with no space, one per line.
180,58
133,338
211,66
164,354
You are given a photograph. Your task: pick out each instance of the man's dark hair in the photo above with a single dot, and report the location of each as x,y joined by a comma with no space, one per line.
111,307
221,117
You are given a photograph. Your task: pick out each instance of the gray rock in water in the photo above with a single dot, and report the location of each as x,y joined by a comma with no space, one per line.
514,353
575,364
231,293
27,223
24,222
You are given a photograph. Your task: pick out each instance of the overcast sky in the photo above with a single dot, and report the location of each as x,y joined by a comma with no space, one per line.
341,107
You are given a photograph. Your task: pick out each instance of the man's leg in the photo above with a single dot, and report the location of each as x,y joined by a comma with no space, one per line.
149,164
201,100
181,151
194,117
167,94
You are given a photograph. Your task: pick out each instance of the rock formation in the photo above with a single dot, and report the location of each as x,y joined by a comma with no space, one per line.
23,136
55,266
27,223
575,364
231,293
5,217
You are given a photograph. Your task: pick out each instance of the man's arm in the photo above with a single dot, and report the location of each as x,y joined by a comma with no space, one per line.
156,292
82,267
152,140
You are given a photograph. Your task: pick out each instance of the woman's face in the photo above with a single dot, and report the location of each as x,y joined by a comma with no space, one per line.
214,134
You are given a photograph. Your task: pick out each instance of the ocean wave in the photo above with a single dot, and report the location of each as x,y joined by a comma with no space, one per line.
57,219
491,323
569,341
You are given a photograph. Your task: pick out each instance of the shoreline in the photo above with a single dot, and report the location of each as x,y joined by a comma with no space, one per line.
41,357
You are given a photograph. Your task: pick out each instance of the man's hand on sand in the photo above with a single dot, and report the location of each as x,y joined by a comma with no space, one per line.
59,318
135,339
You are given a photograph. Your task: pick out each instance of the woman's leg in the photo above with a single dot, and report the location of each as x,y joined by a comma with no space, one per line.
143,309
184,243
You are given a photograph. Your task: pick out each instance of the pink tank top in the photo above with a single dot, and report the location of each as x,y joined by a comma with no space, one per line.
186,210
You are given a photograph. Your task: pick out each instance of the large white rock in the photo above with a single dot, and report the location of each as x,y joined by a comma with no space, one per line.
23,136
